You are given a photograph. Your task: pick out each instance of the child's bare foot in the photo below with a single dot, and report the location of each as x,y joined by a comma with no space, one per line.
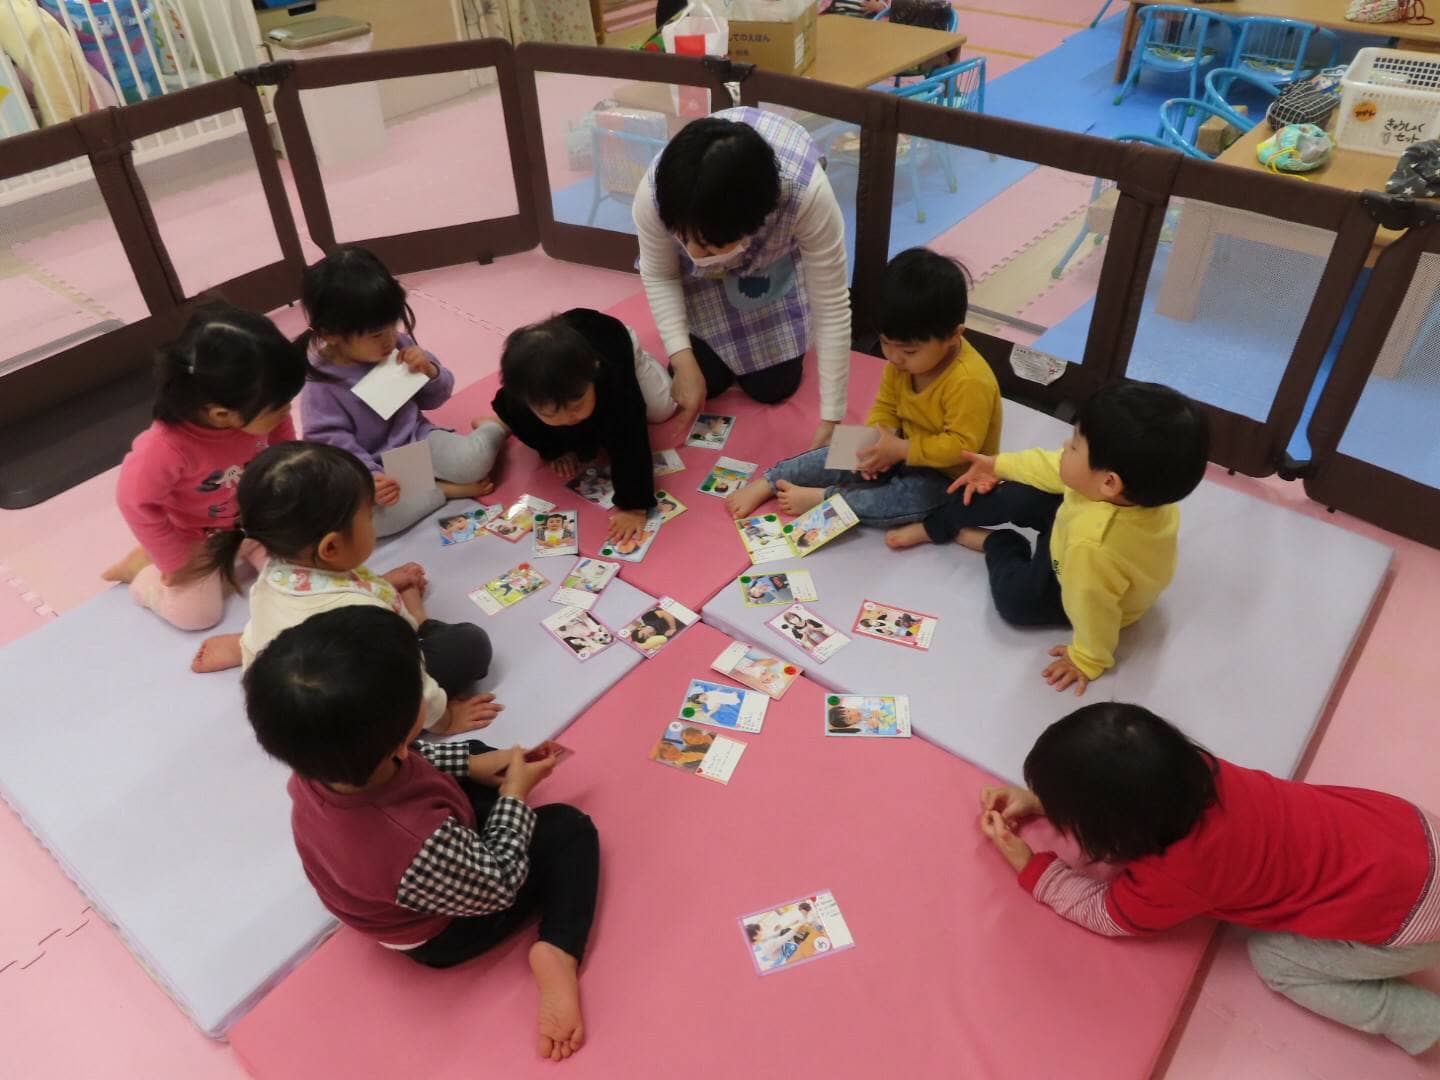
750,498
465,491
906,536
972,538
798,500
126,569
218,653
560,1026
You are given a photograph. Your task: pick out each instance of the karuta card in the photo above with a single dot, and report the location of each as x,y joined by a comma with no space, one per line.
728,475
557,532
694,750
668,505
710,431
721,759
579,631
792,934
883,716
770,590
757,669
410,467
811,633
656,627
518,517
462,528
723,706
666,462
846,442
388,385
509,588
585,582
813,530
764,538
912,629
635,549
593,484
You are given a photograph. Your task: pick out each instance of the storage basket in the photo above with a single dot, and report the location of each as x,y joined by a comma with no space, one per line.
1389,100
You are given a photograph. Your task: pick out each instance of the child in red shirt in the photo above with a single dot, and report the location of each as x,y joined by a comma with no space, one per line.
1341,884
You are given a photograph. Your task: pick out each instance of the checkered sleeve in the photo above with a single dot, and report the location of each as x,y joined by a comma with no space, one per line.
450,758
459,871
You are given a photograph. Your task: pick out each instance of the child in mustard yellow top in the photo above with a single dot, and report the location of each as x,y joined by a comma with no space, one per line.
938,398
1104,508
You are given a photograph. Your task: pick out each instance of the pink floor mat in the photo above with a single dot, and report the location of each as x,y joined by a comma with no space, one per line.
1013,35
1077,12
33,316
955,971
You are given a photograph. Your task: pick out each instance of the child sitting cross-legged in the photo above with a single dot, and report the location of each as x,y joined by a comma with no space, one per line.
311,508
1104,509
1339,884
429,848
938,398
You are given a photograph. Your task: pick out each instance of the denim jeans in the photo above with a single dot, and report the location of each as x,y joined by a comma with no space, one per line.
906,493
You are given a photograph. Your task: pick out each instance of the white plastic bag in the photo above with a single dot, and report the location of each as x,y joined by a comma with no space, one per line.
698,31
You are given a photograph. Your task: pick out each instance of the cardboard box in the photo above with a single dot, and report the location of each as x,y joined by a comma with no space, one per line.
787,47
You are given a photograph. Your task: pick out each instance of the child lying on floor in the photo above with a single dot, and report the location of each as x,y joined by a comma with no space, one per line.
1340,884
429,848
1104,509
938,398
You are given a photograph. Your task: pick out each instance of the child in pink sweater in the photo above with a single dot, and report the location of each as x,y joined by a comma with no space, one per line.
223,395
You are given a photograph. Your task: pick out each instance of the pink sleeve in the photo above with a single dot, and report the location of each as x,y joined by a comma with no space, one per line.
1081,899
149,474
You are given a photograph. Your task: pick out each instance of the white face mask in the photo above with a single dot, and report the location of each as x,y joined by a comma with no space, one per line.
721,261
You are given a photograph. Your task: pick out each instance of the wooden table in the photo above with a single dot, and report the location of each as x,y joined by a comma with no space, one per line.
1328,13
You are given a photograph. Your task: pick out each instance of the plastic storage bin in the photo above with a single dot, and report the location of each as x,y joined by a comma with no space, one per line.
1389,100
345,122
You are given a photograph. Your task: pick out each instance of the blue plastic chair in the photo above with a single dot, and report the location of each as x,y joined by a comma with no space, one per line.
1097,192
1100,14
619,160
955,86
1176,40
1220,88
1180,120
1277,50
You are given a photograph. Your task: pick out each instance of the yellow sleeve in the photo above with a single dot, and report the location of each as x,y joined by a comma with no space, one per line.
964,424
1038,468
885,412
1091,585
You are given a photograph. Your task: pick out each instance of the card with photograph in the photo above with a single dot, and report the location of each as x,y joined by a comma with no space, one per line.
593,484
656,627
557,532
912,629
764,538
710,431
724,706
668,505
813,530
666,462
509,588
728,475
757,669
883,716
811,633
792,934
518,517
635,548
585,582
579,631
462,528
769,590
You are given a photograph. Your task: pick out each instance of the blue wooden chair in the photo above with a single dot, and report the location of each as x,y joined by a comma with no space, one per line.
1178,40
1278,50
1220,85
1101,210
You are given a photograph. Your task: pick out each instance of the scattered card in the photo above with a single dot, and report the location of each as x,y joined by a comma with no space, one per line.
764,538
668,505
518,517
557,532
635,550
721,759
792,934
846,442
757,669
710,431
883,716
656,627
666,462
509,588
813,530
909,628
585,582
694,750
546,749
462,528
728,475
724,706
812,634
388,385
410,467
593,484
579,631
768,590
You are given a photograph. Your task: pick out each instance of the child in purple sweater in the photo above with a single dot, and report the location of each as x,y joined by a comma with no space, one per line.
356,309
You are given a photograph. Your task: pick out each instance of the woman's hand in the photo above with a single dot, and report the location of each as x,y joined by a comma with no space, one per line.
687,387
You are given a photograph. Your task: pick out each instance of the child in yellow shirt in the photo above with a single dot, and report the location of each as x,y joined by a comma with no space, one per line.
1104,508
938,398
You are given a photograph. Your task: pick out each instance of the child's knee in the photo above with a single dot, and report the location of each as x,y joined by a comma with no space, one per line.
193,607
1272,961
567,825
477,648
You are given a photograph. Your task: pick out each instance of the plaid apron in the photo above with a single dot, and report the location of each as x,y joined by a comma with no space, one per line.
753,315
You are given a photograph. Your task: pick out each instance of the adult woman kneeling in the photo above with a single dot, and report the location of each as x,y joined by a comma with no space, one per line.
742,251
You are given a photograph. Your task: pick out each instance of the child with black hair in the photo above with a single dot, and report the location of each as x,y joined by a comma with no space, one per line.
311,506
428,848
358,316
1104,508
578,385
223,394
1340,884
938,399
